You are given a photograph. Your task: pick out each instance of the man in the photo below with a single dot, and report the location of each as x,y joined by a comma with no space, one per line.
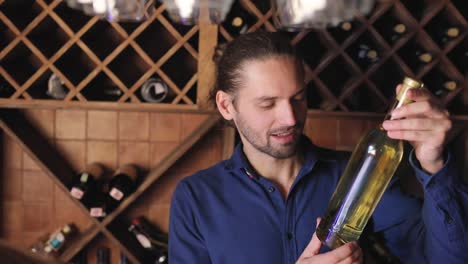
260,206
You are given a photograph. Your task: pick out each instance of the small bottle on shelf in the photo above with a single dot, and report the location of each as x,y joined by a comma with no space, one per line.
101,205
103,255
57,240
85,185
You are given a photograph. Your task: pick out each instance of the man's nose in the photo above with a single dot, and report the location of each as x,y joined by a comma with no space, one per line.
287,115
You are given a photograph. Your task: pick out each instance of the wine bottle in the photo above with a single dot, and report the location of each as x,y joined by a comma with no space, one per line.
101,205
150,231
123,182
85,185
56,88
238,20
124,259
440,86
58,239
103,255
448,34
155,90
395,32
149,240
342,31
366,56
369,170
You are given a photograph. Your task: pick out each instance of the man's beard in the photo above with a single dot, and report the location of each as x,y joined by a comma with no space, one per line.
281,151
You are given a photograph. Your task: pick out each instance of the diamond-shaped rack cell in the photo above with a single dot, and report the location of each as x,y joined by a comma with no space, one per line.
128,66
38,88
312,48
459,57
344,30
180,67
48,36
6,90
394,25
6,35
75,19
21,63
75,64
365,51
418,53
444,28
336,76
387,77
30,9
462,7
156,40
363,99
102,88
419,8
102,39
316,99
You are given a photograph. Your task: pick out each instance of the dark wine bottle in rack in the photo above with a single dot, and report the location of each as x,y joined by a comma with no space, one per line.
439,85
365,56
103,255
86,184
123,183
415,56
155,90
342,31
395,31
238,20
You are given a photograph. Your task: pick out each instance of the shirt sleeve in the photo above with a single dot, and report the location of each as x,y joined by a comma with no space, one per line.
429,231
186,243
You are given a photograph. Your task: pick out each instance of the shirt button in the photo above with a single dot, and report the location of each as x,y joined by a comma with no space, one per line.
289,235
271,189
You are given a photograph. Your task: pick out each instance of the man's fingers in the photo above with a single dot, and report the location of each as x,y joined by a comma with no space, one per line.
343,252
314,245
422,108
418,124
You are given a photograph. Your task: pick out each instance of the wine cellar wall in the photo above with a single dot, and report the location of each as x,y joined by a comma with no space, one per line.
352,71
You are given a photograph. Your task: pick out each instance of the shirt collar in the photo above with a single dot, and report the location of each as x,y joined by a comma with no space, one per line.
313,153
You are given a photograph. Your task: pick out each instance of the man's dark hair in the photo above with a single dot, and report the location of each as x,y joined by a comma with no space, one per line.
257,45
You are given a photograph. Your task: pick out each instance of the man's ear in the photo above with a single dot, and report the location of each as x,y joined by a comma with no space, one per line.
224,104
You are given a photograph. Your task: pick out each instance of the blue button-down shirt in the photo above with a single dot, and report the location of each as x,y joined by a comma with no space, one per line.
227,214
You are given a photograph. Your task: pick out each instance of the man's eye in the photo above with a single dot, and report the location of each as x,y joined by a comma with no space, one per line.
300,97
266,105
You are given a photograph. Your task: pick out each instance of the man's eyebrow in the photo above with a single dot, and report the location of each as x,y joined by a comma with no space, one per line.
271,98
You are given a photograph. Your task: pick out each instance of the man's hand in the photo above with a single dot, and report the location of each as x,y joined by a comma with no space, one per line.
425,124
349,253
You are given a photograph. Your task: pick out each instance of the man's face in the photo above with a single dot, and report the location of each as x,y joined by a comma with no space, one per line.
270,107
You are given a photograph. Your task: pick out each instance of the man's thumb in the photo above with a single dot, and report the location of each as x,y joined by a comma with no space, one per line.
314,245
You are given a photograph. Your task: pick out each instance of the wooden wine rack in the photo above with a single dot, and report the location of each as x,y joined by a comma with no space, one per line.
38,38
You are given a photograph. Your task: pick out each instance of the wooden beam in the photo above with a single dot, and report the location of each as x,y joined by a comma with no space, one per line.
207,41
